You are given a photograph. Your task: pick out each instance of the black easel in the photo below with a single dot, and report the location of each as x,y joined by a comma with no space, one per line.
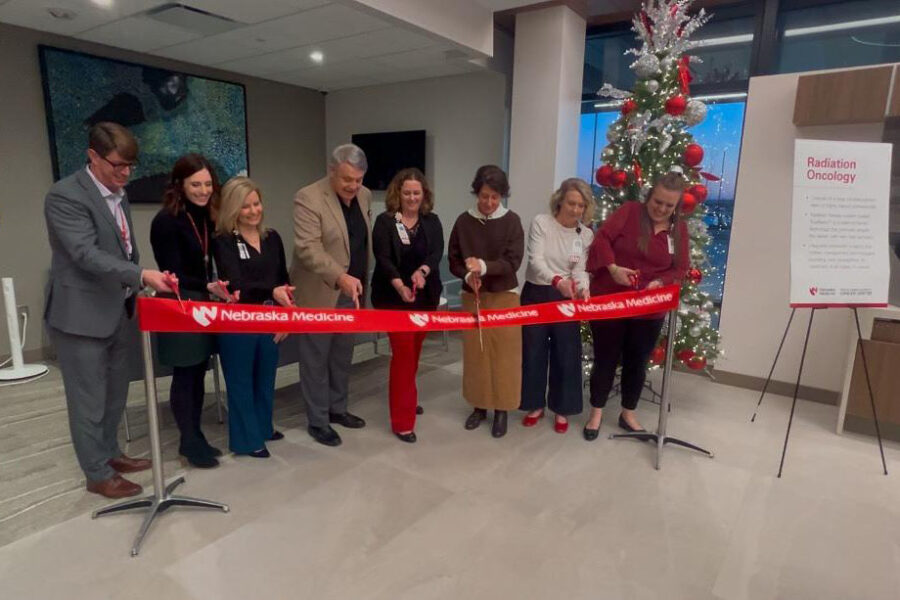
862,349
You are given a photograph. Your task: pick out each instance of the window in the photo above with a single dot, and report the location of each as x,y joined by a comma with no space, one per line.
833,35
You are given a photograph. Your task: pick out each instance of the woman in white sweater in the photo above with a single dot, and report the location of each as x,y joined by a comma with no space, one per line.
557,246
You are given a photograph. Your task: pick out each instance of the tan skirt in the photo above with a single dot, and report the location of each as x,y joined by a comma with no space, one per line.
492,378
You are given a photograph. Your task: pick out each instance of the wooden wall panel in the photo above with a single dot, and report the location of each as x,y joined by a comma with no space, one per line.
845,97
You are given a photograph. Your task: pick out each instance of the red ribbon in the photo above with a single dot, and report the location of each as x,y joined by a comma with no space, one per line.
684,74
638,174
157,314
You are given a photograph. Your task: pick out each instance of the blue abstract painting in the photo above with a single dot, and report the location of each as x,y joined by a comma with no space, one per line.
170,113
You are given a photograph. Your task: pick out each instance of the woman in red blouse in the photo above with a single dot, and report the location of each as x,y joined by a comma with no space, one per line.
640,246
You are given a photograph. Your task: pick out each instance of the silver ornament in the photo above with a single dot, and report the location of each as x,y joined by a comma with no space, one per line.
668,62
694,113
652,86
694,331
646,66
708,306
608,154
612,135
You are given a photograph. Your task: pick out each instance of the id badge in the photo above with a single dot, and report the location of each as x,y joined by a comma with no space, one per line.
404,236
577,250
243,253
671,244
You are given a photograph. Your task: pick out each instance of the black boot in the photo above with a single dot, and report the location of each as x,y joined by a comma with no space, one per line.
478,415
498,429
195,453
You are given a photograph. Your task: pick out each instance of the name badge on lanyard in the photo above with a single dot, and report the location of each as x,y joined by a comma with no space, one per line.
577,250
671,244
401,231
242,250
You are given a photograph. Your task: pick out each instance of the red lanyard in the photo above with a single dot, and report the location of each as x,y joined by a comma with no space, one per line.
204,241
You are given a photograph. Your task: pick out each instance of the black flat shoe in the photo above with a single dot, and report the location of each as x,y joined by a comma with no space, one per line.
262,453
498,429
591,434
409,438
474,420
325,435
348,420
628,427
420,410
276,435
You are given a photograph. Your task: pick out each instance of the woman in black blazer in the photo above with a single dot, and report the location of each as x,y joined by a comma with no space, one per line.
408,242
180,235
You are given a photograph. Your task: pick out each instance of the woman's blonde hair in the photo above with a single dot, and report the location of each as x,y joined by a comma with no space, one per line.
392,197
580,186
232,197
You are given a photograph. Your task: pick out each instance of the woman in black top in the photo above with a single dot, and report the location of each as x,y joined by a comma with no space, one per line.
251,258
408,242
180,235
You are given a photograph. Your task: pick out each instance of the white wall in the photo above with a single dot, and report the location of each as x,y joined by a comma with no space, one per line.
546,107
465,118
755,305
286,135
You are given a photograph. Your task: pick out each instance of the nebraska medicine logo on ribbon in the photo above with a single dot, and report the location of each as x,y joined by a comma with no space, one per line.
157,314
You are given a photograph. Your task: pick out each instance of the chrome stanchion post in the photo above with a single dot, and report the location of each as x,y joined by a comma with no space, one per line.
162,497
660,436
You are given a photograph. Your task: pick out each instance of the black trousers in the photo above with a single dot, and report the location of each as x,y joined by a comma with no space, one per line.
553,349
632,341
186,399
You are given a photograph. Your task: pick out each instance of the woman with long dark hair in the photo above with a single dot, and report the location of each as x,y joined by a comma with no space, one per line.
180,235
640,246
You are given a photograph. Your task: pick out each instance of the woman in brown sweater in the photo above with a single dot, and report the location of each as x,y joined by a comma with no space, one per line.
486,248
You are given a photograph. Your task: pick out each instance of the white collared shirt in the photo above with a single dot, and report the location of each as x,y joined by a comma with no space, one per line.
114,202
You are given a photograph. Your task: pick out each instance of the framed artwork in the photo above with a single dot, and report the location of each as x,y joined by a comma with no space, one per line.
170,113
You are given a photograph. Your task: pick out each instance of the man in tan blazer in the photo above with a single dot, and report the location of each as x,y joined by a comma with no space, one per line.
332,246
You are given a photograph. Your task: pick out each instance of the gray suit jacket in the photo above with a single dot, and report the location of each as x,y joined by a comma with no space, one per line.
90,269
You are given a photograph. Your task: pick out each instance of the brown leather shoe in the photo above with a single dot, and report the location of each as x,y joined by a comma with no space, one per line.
124,464
114,487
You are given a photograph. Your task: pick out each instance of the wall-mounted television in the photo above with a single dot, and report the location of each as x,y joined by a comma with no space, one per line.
390,152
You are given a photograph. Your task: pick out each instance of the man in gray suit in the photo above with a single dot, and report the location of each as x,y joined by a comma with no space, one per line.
331,262
94,275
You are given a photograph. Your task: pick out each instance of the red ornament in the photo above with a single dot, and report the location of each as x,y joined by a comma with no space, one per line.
688,203
604,175
628,106
693,155
685,355
638,173
676,105
658,356
695,276
697,363
619,178
709,176
698,191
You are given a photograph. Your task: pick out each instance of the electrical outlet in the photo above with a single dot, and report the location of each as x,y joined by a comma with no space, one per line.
22,309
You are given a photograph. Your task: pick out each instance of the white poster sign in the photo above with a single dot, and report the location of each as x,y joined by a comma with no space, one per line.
839,224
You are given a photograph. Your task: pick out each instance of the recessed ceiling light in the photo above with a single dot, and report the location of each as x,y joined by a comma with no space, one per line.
317,57
62,13
103,3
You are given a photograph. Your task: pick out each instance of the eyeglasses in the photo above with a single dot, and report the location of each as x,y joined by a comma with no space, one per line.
120,166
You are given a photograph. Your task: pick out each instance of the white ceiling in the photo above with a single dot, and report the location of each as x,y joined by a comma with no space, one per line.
271,39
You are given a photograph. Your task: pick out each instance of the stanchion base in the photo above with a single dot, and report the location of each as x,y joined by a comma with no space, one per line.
156,506
646,436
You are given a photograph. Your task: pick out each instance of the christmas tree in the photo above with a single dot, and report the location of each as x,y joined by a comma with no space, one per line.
649,139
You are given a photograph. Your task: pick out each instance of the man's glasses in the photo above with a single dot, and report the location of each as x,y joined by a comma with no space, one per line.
120,166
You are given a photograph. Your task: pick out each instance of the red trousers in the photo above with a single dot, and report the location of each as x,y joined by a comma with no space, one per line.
405,350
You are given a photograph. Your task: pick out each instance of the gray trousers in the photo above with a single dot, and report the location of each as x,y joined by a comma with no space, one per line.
95,377
325,360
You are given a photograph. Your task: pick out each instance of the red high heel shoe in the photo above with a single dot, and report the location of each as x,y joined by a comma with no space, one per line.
560,426
529,421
